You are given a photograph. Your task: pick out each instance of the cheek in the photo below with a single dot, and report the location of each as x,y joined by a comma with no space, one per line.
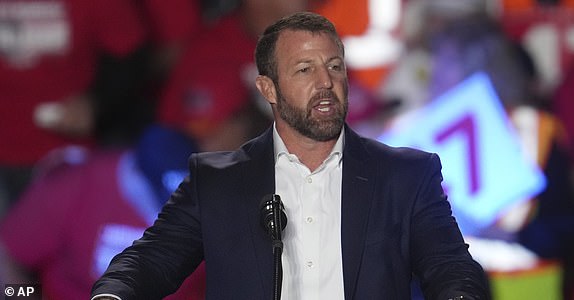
342,89
297,93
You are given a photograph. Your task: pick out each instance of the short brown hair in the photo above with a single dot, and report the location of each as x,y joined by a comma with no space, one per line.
305,21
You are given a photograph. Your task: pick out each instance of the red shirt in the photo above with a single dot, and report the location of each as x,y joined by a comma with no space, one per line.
212,81
49,51
172,20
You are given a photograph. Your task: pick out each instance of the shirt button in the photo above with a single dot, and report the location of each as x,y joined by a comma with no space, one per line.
309,179
309,263
309,220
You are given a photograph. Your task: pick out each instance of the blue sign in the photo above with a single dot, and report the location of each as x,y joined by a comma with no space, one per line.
485,170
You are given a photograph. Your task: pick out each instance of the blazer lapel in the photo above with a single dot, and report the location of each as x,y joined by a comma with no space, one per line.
257,180
356,197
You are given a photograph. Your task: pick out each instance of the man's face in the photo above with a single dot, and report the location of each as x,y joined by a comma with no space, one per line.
312,84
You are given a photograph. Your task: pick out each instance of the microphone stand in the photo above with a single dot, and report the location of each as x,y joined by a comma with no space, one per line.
274,220
277,250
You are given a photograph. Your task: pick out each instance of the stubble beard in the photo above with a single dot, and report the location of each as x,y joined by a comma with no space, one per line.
302,120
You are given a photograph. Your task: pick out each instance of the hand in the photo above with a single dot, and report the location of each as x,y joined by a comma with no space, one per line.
72,117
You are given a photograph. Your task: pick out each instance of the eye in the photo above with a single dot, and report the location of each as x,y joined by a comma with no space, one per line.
304,70
336,67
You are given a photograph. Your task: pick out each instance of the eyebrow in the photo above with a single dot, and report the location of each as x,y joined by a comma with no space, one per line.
306,61
336,58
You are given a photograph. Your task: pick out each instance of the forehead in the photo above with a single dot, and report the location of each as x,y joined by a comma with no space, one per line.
294,44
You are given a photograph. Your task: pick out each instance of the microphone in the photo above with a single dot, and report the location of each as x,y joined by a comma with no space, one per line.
274,220
272,214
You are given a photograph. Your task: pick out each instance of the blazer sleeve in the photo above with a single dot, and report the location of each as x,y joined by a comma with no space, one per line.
440,257
170,250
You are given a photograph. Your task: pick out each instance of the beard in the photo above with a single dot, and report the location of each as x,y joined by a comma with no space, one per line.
302,120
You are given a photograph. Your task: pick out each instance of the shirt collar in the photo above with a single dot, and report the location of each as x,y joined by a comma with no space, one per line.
280,148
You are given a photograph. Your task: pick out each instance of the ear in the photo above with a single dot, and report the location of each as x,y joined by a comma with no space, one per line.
267,88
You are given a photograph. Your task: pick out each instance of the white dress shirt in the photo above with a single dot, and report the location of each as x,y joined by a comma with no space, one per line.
312,258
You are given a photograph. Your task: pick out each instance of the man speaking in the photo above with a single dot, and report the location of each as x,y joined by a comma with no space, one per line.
363,218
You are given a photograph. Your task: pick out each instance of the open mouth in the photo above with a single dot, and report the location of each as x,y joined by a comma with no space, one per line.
324,106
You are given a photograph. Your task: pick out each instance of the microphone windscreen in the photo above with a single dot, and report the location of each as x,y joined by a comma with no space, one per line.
269,206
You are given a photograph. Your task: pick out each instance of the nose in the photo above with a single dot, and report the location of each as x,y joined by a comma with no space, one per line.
324,80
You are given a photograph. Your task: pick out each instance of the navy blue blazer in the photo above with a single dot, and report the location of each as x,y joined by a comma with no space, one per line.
396,222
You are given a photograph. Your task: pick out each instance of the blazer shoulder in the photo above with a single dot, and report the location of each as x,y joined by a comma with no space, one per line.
258,148
219,159
399,155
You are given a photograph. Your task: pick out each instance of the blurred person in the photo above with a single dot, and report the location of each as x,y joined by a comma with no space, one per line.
404,87
171,25
54,88
208,93
549,231
563,106
407,84
85,206
545,223
464,46
363,217
543,27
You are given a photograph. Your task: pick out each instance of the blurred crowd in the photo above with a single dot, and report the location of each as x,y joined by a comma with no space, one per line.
101,103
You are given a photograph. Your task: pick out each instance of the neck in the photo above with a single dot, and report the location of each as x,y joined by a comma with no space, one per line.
310,152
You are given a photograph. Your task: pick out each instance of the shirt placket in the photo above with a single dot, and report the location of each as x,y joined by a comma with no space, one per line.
310,193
